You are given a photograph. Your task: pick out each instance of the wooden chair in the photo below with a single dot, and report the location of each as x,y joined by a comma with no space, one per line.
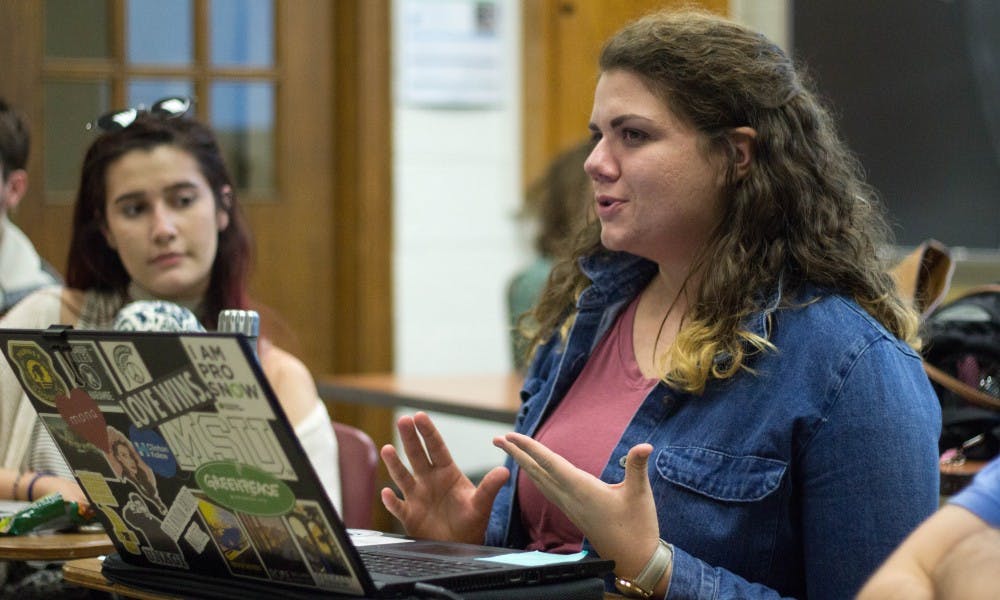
358,464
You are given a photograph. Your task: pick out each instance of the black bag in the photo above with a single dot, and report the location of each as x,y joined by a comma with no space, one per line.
962,358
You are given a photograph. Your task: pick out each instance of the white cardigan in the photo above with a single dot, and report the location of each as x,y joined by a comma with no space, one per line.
17,416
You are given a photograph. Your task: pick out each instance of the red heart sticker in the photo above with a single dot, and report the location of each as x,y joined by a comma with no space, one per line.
84,418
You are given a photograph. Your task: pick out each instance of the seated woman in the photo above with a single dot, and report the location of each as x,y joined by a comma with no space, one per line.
724,396
156,217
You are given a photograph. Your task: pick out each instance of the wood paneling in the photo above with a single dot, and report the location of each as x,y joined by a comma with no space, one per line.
362,225
324,242
562,42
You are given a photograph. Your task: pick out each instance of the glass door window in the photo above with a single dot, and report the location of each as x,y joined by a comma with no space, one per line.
132,53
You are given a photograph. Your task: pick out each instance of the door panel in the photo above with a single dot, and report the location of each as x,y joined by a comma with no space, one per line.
562,42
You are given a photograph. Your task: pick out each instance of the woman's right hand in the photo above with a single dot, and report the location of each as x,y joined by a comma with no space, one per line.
439,502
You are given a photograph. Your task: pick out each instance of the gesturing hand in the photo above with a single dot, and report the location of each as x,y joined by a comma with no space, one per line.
439,502
618,519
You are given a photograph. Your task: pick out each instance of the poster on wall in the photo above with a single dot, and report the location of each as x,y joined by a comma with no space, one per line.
450,54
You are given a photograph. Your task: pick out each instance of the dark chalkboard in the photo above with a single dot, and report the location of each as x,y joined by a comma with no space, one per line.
915,85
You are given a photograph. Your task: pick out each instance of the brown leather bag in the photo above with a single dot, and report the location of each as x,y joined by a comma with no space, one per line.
924,276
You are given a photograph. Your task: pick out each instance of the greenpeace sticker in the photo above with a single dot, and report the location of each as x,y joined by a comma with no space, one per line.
245,489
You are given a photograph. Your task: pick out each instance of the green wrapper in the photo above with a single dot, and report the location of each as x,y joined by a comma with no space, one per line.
50,513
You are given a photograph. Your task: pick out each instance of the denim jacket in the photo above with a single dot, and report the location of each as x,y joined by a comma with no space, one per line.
795,480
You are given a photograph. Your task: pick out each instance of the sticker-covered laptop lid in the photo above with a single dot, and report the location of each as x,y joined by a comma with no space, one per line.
177,442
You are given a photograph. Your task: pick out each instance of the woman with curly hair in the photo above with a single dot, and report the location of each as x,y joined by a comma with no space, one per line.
724,396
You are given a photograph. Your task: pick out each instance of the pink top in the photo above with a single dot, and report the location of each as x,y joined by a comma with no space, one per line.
584,429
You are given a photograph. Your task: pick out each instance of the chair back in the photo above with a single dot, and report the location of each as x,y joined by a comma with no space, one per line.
358,463
923,277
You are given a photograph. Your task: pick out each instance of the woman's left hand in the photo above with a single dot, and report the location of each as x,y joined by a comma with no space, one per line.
619,519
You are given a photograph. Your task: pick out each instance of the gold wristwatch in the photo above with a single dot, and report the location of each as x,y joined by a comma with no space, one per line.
644,584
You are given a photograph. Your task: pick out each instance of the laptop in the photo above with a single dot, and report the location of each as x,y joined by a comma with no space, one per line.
180,444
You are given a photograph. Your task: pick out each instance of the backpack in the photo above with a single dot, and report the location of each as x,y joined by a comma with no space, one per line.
962,358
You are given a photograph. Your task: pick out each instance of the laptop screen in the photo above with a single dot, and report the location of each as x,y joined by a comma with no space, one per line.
180,445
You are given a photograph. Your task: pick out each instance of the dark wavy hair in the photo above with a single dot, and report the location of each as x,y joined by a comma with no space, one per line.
803,214
92,264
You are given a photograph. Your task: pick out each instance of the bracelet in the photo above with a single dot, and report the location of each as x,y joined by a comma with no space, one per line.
17,480
34,479
645,582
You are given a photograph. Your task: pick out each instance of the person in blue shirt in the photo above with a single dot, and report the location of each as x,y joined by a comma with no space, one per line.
953,554
724,396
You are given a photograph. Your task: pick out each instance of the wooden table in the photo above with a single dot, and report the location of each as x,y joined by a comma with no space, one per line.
493,397
55,546
86,573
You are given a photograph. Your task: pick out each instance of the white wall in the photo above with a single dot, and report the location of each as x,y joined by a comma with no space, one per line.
773,18
457,188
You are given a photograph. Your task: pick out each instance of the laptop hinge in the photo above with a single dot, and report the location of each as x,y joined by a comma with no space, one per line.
56,331
55,335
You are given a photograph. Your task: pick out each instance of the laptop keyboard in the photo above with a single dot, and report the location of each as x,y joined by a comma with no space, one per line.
418,566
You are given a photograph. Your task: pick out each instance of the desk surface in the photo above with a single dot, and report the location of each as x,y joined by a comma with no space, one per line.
493,397
86,572
54,546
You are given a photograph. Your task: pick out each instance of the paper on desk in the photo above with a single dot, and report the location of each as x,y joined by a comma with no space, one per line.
10,507
535,558
367,537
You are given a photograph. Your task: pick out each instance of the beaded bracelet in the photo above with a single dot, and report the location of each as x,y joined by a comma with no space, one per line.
34,479
17,480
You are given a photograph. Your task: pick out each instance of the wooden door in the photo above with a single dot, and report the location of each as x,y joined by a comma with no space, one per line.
320,213
321,216
562,42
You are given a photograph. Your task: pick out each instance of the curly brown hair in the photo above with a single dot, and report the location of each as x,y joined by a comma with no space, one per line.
803,214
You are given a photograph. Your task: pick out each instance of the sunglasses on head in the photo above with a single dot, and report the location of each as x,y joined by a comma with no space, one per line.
165,108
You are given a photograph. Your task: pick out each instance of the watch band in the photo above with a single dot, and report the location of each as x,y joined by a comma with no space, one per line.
645,582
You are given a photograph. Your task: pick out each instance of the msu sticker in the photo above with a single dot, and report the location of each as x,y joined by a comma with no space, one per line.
37,372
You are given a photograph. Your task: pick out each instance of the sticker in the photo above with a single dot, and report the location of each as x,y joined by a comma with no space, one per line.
128,538
36,371
154,451
97,488
221,364
244,488
132,469
198,438
196,537
180,513
276,549
126,364
319,547
535,558
78,452
84,363
165,399
230,539
84,417
159,548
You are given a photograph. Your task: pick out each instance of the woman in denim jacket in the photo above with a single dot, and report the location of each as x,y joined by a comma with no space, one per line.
724,397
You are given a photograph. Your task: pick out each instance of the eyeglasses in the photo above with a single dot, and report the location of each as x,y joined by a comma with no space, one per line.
165,108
